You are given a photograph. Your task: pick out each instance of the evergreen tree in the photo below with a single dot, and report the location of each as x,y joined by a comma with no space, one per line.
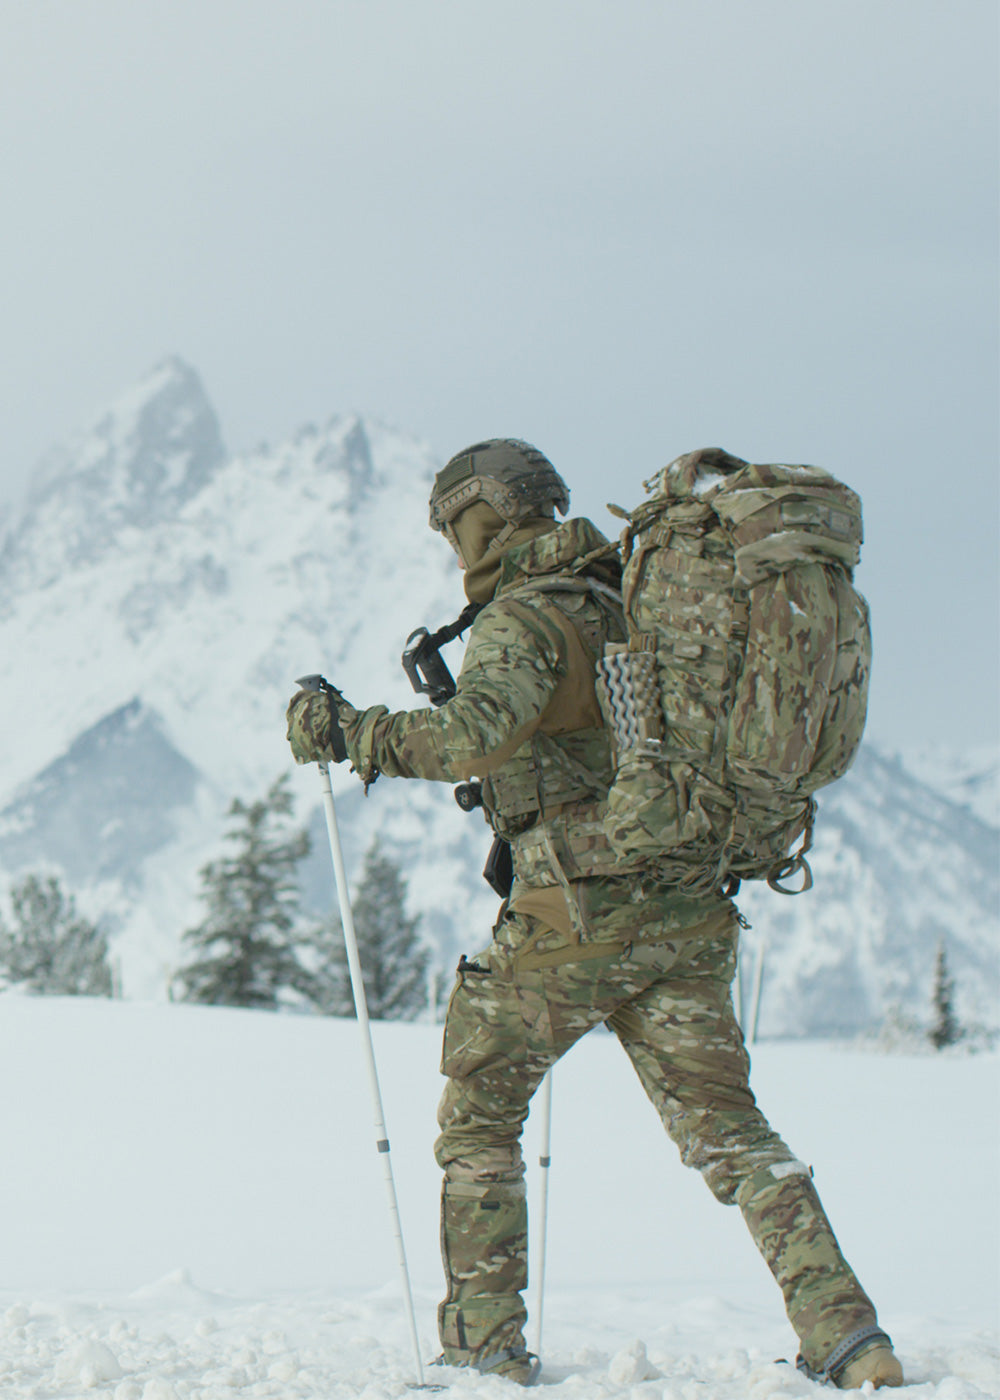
247,949
49,947
393,962
944,1030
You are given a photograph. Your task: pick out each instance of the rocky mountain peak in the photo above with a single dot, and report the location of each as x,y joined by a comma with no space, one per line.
157,600
137,465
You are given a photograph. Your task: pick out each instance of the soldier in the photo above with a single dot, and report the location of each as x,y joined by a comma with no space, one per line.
580,939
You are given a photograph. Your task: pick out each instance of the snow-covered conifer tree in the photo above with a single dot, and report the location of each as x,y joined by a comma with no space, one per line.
393,960
945,1029
49,947
246,951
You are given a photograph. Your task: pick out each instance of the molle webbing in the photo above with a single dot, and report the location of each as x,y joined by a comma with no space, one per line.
548,774
572,845
568,758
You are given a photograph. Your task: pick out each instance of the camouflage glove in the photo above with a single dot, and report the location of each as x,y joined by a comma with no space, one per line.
360,731
314,731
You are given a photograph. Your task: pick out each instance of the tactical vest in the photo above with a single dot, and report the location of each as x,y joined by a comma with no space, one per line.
546,799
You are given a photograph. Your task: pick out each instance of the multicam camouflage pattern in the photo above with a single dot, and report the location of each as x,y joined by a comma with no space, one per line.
824,1300
313,726
525,718
666,996
586,938
738,576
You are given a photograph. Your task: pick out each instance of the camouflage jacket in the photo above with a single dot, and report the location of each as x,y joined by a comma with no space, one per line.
525,718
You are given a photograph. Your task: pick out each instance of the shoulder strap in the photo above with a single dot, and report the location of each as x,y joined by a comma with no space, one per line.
569,583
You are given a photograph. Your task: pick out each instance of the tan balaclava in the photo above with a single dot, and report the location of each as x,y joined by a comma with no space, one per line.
479,550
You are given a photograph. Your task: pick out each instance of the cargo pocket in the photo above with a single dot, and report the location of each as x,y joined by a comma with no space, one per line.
466,1023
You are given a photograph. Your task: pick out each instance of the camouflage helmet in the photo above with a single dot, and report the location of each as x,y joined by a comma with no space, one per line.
513,477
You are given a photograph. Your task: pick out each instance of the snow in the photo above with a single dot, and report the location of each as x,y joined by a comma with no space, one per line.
707,481
194,1209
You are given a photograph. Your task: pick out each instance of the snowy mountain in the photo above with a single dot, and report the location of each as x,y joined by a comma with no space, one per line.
971,780
899,867
137,467
158,598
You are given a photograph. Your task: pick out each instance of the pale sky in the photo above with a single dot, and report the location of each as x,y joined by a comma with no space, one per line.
621,229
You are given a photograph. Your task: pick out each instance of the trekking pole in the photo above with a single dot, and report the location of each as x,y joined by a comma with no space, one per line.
361,1007
738,991
544,1161
758,985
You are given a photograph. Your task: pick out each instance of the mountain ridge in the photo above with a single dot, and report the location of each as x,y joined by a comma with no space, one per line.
149,568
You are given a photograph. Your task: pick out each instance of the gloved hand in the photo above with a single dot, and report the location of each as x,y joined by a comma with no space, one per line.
314,731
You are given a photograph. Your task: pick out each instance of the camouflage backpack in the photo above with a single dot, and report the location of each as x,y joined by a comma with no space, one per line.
743,686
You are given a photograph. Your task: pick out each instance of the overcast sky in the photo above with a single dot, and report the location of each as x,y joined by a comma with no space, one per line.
619,228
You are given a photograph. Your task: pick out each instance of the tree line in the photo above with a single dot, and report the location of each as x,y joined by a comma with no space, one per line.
254,947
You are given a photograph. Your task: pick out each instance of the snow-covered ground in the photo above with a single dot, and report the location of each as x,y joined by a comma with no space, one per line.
193,1208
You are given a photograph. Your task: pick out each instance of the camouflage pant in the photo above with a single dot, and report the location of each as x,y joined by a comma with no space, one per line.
669,1004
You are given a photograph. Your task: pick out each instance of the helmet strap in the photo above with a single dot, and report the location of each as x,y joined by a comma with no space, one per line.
498,541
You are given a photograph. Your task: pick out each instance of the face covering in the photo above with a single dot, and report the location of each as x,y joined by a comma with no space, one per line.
475,529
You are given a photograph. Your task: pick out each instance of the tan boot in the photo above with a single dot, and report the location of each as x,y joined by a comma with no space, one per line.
520,1366
865,1355
878,1364
513,1363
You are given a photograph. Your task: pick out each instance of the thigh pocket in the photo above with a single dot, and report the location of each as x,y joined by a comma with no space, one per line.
471,1019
